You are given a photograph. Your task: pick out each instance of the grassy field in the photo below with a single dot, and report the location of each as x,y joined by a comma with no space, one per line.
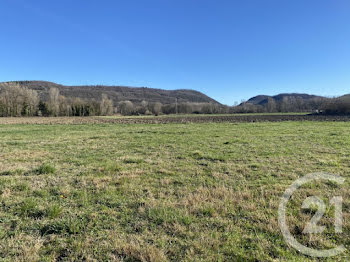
165,192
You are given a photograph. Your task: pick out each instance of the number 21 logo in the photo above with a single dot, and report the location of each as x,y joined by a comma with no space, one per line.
312,226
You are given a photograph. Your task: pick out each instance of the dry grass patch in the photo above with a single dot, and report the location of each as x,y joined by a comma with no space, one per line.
176,192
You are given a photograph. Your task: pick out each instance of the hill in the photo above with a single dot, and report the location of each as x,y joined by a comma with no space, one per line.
119,93
263,99
345,97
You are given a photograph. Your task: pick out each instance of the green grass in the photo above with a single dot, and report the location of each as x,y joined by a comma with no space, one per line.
173,192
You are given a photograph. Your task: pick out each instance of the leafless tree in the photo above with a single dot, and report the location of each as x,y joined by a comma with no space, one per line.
271,105
156,108
106,106
53,102
126,107
17,101
30,102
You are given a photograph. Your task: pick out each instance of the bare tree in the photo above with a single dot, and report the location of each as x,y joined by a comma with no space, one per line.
17,101
207,108
271,105
106,106
126,107
30,102
65,107
144,107
12,97
156,108
54,103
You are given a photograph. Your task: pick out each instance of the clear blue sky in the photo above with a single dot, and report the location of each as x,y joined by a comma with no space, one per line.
228,49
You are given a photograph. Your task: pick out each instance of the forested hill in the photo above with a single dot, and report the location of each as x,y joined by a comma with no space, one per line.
119,93
263,99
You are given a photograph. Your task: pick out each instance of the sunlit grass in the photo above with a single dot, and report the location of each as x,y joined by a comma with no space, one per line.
175,192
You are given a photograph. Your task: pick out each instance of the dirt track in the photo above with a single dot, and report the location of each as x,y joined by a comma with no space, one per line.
169,119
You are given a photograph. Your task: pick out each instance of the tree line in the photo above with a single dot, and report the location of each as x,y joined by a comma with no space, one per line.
319,105
286,105
21,101
338,106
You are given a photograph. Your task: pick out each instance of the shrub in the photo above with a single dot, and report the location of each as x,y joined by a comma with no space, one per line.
45,169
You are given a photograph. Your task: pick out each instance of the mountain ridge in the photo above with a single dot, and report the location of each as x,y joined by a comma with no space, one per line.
263,99
118,93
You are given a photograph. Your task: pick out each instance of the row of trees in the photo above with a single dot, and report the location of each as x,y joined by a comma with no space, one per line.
19,101
287,104
146,108
338,106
